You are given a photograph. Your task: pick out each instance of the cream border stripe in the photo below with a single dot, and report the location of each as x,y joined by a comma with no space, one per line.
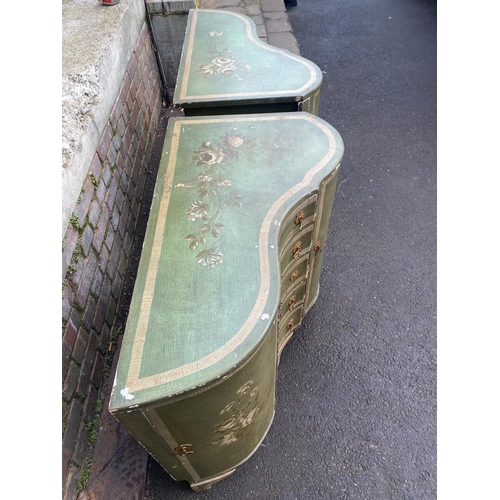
189,51
135,383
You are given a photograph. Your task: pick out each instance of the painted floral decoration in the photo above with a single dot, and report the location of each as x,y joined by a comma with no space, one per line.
212,183
239,416
222,61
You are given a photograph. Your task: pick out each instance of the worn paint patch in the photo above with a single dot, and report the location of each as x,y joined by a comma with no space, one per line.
126,394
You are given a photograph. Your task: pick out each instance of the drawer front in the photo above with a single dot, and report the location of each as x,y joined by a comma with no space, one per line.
293,298
301,216
294,275
288,324
296,249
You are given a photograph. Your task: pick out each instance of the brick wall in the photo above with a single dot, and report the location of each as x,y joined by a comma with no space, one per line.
96,251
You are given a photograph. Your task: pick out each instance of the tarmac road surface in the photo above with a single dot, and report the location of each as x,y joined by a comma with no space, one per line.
356,394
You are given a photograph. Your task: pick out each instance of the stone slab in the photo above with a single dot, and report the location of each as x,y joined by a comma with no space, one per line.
278,26
284,41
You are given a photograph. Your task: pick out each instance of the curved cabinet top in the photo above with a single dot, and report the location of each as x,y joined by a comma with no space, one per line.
224,62
208,284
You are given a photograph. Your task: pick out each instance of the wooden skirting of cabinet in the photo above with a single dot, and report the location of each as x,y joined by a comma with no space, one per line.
225,68
230,264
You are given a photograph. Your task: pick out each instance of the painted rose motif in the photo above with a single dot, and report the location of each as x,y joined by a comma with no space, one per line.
240,415
208,155
212,184
222,61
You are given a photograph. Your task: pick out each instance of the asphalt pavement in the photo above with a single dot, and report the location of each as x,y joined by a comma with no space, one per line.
356,394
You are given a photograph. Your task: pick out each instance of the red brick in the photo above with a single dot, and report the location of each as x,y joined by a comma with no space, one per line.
136,80
71,431
79,267
87,237
134,116
68,298
135,207
124,179
115,255
105,294
122,227
99,317
86,281
80,345
132,67
88,318
132,220
70,241
127,139
127,244
122,123
66,355
119,198
140,94
101,191
70,334
113,188
106,173
89,405
120,162
116,112
96,167
117,142
94,212
117,286
70,382
106,139
96,374
110,237
100,231
103,259
135,175
97,283
131,98
111,310
103,345
111,158
86,368
86,197
123,262
115,218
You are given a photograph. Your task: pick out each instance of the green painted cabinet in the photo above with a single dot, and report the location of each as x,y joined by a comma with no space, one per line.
225,68
230,264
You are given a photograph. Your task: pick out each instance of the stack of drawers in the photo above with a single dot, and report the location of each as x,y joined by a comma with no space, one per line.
296,244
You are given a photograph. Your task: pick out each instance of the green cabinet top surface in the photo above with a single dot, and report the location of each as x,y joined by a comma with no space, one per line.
208,283
224,61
